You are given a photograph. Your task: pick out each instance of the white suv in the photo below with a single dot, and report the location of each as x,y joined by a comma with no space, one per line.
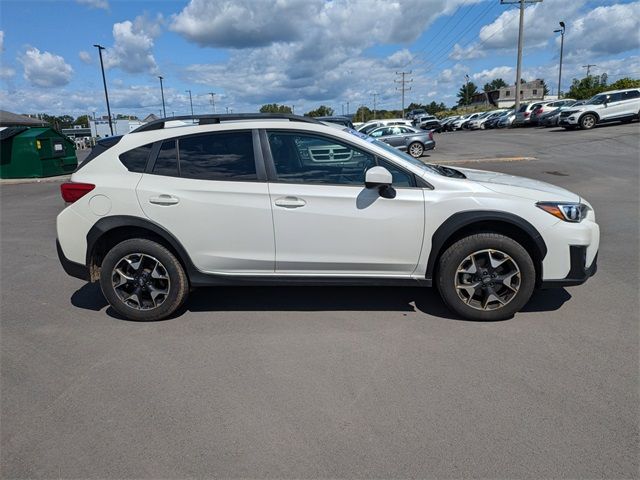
616,105
276,199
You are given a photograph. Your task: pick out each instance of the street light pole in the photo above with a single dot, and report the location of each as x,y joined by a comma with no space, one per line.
213,101
190,101
104,82
561,31
164,111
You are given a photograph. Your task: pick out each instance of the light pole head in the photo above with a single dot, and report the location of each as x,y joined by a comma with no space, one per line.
562,25
98,46
160,77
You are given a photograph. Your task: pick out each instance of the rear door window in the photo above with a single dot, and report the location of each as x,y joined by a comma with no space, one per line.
218,156
167,160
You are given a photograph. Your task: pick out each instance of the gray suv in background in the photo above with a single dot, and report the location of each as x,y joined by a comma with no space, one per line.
404,138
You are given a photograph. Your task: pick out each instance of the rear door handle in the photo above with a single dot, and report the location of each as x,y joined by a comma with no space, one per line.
290,202
164,200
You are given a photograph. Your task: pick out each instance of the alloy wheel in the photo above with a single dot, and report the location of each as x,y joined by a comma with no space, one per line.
487,279
140,281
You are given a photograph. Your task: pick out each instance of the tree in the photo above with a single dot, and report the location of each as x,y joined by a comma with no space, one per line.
593,84
321,111
275,108
545,89
494,85
467,90
82,120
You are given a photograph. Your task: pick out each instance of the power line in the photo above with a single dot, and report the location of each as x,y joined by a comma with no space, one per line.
438,53
403,86
435,35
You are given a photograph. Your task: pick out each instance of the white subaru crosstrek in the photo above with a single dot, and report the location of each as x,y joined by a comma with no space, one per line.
275,199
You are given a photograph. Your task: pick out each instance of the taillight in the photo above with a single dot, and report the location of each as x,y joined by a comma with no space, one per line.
526,114
73,191
430,134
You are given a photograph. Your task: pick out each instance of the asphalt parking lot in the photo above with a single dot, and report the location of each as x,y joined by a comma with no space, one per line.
332,382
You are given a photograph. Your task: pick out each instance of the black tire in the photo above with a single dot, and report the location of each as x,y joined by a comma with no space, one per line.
453,258
588,121
415,149
177,284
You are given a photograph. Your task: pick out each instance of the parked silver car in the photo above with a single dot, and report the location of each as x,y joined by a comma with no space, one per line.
523,116
408,139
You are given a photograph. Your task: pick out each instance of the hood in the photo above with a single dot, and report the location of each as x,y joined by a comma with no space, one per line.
519,186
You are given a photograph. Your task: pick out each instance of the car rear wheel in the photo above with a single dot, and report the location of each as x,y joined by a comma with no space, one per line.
588,121
142,280
486,277
416,149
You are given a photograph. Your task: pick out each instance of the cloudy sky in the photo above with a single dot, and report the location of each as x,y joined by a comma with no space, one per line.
297,52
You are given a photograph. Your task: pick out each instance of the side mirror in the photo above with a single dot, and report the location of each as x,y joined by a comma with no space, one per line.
380,178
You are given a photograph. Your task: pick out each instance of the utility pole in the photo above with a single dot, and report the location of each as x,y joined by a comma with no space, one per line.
293,109
520,44
561,32
374,104
466,89
213,101
104,82
588,67
190,101
403,88
342,106
162,93
347,108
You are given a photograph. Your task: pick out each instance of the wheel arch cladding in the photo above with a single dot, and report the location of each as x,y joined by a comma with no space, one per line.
462,224
589,113
109,231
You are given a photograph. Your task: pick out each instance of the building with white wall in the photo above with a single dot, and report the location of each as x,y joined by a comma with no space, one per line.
100,127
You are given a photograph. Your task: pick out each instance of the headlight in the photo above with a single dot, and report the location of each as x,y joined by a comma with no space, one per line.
569,212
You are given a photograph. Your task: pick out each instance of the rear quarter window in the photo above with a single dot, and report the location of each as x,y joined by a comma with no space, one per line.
136,160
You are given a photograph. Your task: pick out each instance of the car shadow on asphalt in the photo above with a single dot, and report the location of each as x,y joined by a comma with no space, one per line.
314,299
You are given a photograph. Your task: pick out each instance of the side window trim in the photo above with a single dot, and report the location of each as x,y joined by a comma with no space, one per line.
155,150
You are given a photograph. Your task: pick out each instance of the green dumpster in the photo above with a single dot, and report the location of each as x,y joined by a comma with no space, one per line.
35,152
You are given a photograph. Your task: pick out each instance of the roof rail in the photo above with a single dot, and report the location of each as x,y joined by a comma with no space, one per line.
212,119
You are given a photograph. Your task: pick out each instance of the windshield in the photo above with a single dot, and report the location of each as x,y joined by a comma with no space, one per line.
598,100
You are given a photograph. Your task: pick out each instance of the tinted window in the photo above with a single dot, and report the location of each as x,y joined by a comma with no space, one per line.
631,94
218,156
167,160
300,158
136,160
381,132
615,97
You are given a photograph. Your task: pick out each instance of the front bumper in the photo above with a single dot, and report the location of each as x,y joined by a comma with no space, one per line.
579,273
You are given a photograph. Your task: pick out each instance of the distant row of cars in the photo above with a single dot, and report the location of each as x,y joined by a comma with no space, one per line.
612,106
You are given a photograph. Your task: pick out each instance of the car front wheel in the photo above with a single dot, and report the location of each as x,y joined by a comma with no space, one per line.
588,121
416,149
142,280
486,277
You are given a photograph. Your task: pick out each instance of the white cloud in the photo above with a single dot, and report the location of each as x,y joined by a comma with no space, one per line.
506,73
400,58
466,53
85,57
45,69
604,31
132,49
540,19
102,4
6,72
247,23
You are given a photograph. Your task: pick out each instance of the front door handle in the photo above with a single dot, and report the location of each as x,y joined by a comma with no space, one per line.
290,202
164,200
